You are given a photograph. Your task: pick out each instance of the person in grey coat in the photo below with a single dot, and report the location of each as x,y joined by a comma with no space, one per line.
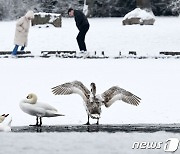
83,26
21,32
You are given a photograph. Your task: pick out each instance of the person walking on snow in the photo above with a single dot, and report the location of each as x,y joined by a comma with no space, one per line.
21,32
83,26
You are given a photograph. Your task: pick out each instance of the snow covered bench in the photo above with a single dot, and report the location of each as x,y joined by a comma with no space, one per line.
169,53
64,54
47,18
71,54
18,53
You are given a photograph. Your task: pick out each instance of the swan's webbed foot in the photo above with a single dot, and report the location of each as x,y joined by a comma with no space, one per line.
36,125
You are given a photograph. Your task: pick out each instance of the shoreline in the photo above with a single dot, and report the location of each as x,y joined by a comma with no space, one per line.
113,128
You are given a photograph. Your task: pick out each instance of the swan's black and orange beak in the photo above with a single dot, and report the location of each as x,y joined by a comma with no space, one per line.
4,115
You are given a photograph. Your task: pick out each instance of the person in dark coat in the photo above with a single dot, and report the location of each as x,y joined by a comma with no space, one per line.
83,26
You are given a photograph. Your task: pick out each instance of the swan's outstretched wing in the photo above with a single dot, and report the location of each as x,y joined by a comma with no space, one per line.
116,93
70,88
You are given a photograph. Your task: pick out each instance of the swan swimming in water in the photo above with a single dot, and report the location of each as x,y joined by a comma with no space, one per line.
94,102
31,106
5,126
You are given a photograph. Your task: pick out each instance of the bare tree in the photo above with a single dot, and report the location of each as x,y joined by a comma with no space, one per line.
174,5
5,6
13,9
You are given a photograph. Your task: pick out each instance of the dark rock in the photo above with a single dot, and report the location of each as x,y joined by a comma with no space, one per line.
46,18
131,21
148,22
139,16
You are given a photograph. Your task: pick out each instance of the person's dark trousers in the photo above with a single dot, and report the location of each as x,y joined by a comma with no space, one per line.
81,37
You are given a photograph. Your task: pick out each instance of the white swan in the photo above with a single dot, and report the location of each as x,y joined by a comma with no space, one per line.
2,117
5,126
34,108
92,101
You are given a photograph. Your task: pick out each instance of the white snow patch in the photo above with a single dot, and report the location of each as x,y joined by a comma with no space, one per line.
139,13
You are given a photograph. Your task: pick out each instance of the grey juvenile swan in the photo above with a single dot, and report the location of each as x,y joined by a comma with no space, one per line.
92,101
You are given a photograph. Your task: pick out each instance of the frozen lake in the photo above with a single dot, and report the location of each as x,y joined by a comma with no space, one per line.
85,143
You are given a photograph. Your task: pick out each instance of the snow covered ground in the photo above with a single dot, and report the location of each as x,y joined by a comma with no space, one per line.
105,34
155,81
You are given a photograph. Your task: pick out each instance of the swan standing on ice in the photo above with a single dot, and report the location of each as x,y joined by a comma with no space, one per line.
5,127
34,108
94,102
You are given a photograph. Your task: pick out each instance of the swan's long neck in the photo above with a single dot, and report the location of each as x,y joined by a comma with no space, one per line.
93,92
1,119
93,89
9,123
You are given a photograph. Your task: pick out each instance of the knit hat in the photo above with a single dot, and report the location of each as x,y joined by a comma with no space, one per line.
30,14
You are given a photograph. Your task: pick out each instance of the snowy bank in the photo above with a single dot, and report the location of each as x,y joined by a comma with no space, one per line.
105,34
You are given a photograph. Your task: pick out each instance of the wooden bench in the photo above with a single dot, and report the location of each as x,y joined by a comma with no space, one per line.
18,53
64,54
170,53
132,53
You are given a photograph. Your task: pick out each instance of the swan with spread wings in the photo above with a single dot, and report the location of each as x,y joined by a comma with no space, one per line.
94,102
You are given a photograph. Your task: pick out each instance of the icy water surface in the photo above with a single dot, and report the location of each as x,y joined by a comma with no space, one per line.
83,143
